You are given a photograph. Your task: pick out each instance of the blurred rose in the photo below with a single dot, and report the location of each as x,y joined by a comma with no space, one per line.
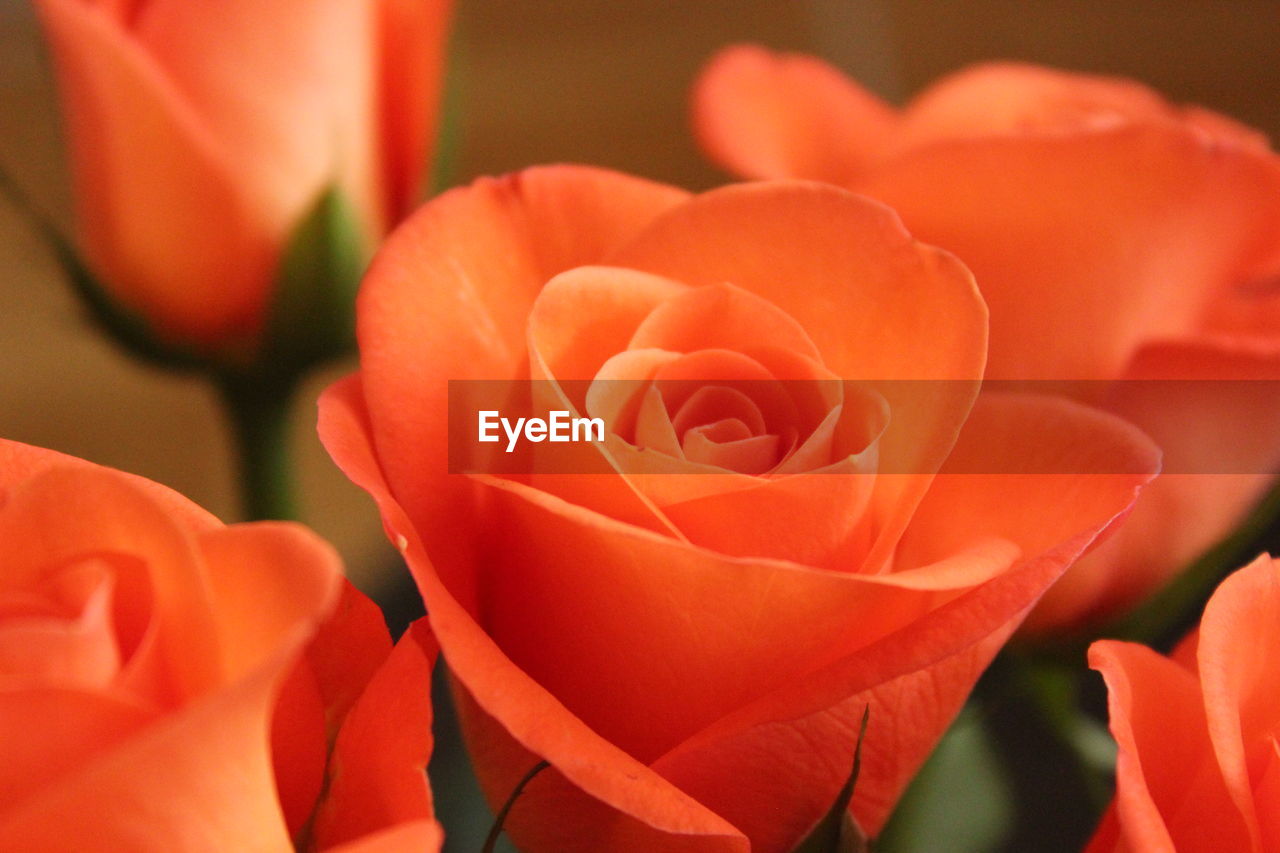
202,133
1199,763
142,648
689,628
1113,235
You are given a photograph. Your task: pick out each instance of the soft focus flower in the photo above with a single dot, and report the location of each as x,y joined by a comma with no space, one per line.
687,618
201,134
1199,733
1113,235
142,649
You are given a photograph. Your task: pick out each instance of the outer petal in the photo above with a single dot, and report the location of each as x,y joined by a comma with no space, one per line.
20,462
162,217
214,752
697,633
89,724
423,836
1212,406
266,578
1197,215
378,767
535,720
448,298
413,36
345,652
1169,792
288,89
1237,676
768,115
1009,98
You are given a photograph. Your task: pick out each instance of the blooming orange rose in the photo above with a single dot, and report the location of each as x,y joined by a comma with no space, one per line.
1114,236
687,617
200,134
142,649
1199,764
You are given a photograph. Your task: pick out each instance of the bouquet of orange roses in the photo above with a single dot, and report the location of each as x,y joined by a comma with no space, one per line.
786,516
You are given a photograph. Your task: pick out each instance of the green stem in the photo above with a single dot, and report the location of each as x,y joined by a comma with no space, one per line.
259,414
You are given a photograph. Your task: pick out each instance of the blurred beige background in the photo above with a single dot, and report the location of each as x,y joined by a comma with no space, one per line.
563,80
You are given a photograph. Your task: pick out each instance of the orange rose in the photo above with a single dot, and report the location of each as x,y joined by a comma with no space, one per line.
689,651
1199,764
200,136
142,648
1114,237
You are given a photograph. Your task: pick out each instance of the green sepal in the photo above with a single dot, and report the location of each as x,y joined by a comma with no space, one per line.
837,831
312,313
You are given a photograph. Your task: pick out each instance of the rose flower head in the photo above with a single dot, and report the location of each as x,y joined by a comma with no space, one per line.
171,683
1128,249
1199,732
774,530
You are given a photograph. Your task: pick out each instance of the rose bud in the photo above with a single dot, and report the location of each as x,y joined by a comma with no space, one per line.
234,163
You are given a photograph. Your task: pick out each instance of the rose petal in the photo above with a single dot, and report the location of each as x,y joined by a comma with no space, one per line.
421,836
311,124
569,346
1197,215
768,115
51,649
1032,469
21,462
378,768
1219,448
1237,676
213,751
89,724
1009,98
930,664
1167,784
413,36
704,632
720,316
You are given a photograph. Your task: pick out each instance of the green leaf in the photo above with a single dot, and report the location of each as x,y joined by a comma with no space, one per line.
959,801
312,315
501,817
837,831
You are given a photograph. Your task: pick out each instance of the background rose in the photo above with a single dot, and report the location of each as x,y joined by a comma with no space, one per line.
1113,235
1199,768
694,687
142,646
202,133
